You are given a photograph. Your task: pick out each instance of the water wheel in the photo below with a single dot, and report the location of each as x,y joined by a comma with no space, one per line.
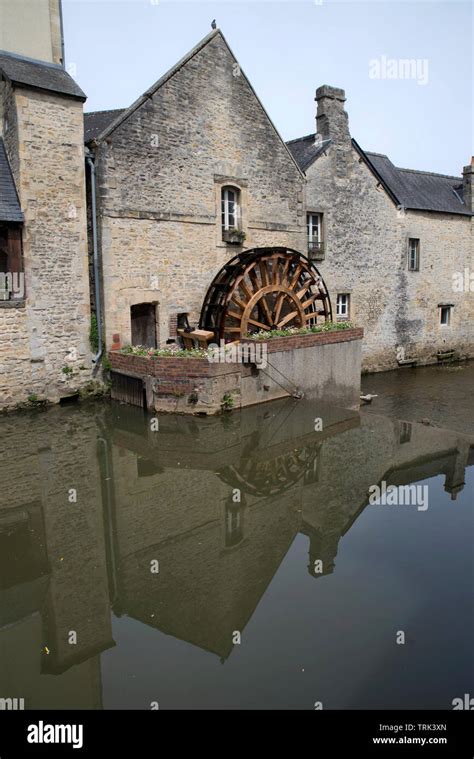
264,289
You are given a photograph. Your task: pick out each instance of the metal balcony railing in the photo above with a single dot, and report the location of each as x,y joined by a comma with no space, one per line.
315,250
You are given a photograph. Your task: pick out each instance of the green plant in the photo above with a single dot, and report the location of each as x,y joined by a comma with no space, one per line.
140,350
94,389
237,234
67,370
325,327
33,398
94,334
106,365
227,402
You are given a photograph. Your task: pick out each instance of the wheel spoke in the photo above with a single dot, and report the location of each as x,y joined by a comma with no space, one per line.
296,276
254,280
309,301
265,307
263,273
278,305
234,315
238,302
287,319
303,290
245,289
259,324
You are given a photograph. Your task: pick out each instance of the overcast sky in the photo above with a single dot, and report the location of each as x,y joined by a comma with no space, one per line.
117,48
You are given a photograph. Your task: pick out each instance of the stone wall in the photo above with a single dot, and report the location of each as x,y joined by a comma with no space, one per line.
160,175
49,329
366,256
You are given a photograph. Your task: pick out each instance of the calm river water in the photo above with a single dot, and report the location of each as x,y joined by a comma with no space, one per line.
238,562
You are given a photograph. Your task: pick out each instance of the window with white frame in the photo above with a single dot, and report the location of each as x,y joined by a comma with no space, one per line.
230,208
314,226
343,305
445,315
413,254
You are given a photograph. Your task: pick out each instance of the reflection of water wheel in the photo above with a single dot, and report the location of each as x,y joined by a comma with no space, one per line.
264,289
273,476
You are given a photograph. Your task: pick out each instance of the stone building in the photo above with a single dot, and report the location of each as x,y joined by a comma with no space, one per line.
172,167
44,289
194,157
391,244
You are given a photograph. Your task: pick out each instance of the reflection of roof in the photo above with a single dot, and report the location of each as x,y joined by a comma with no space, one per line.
39,76
23,600
10,209
206,592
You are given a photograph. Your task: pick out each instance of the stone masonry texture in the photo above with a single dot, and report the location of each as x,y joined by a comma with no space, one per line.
49,329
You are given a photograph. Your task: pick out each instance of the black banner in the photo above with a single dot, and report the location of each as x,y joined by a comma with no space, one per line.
97,733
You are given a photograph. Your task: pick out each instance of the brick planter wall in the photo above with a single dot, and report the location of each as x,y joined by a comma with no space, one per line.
325,365
291,342
174,375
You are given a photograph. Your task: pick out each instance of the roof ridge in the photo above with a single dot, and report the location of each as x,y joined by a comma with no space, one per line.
429,173
381,155
300,139
150,91
106,110
126,112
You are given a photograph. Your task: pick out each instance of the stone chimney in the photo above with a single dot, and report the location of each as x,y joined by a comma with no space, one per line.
331,119
468,185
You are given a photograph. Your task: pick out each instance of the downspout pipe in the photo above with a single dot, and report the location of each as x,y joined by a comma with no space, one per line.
98,304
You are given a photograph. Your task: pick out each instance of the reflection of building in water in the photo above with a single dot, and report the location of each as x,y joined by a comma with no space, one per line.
226,502
53,576
217,502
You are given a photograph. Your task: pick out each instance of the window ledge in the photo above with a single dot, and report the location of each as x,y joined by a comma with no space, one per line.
12,303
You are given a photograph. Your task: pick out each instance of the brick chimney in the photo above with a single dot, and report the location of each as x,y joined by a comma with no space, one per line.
331,118
468,185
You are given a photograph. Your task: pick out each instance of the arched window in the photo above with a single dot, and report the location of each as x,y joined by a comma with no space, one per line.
230,208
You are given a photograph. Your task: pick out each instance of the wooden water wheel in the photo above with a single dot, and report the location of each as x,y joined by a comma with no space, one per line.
264,289
272,476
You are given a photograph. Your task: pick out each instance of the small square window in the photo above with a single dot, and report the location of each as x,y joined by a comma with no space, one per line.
413,254
343,305
445,316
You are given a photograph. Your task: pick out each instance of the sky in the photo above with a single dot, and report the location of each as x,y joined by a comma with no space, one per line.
406,67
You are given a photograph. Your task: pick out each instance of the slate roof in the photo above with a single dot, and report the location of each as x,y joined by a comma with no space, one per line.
421,190
10,209
96,121
305,150
412,189
39,76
